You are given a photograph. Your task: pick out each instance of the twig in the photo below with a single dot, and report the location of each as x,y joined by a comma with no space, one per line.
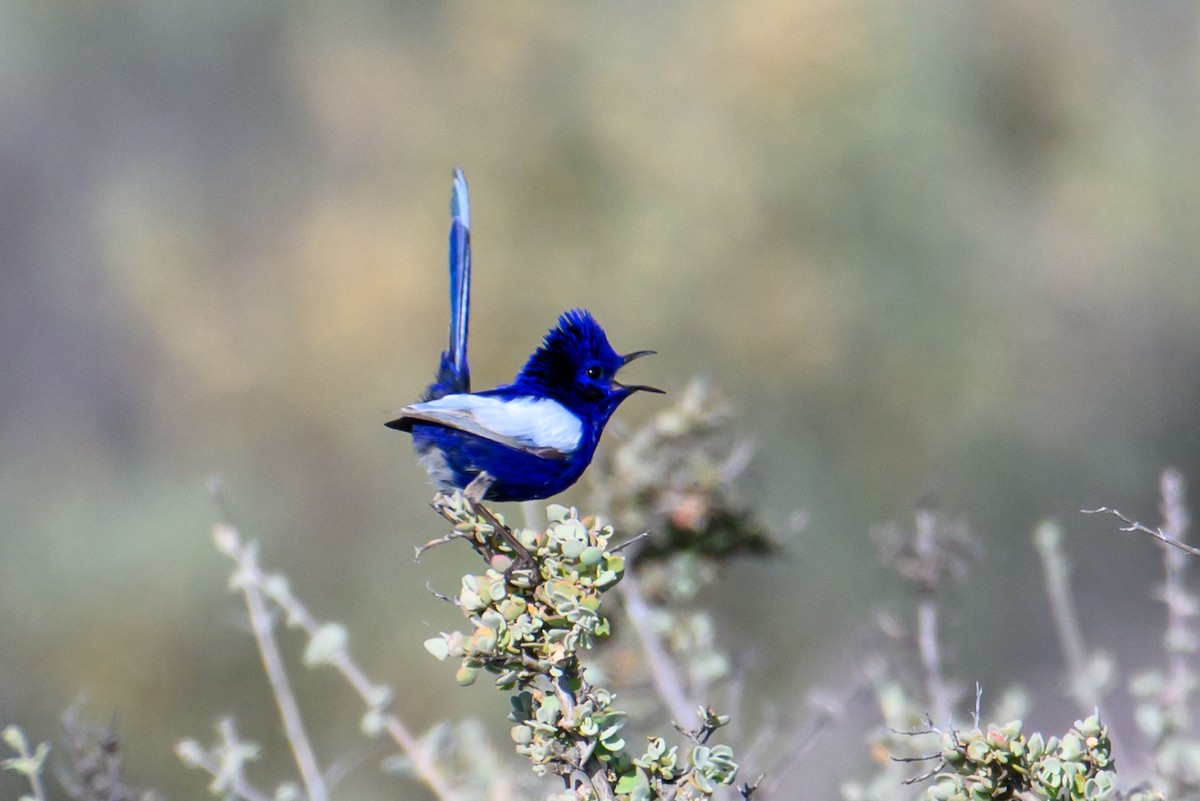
733,733
486,532
224,763
472,497
436,541
978,703
930,728
297,614
924,777
630,541
1048,540
925,758
1180,639
524,558
238,785
28,763
422,760
748,790
263,625
804,738
663,670
36,785
599,779
733,703
927,624
1133,525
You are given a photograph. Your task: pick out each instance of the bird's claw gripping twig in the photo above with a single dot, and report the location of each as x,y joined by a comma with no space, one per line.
473,495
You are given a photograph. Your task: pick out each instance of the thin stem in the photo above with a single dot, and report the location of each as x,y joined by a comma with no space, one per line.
927,621
802,739
35,784
263,625
663,670
238,784
1048,540
30,763
422,760
595,771
599,779
1133,525
1180,639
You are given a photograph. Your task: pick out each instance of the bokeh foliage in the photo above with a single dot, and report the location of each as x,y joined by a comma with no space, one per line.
950,246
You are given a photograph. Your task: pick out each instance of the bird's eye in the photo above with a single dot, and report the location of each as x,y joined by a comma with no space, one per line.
594,372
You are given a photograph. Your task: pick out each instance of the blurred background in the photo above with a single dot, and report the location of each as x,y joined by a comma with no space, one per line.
948,248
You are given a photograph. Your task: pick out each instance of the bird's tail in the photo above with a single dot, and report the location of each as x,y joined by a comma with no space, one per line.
453,374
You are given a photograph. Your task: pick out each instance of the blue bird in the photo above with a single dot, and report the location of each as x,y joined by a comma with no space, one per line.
526,440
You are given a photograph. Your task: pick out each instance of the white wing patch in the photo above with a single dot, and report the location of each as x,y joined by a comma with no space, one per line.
539,425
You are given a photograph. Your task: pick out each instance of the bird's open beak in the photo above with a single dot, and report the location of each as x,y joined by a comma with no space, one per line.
626,359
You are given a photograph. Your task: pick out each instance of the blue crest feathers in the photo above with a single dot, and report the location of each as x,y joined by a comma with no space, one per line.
576,339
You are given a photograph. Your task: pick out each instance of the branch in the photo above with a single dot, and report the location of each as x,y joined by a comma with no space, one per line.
1087,677
224,762
663,670
1180,638
803,738
372,695
1133,525
28,763
927,641
262,623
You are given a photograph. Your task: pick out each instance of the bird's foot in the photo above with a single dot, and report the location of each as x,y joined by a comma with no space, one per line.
473,494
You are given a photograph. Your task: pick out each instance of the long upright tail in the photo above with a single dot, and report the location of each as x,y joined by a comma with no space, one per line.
453,373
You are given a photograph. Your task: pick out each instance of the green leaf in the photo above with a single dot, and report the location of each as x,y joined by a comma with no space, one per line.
438,647
628,782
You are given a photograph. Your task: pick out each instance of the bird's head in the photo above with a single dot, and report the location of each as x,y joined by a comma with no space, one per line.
576,366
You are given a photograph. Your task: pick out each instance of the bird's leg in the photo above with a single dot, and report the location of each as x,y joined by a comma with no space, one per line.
473,494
